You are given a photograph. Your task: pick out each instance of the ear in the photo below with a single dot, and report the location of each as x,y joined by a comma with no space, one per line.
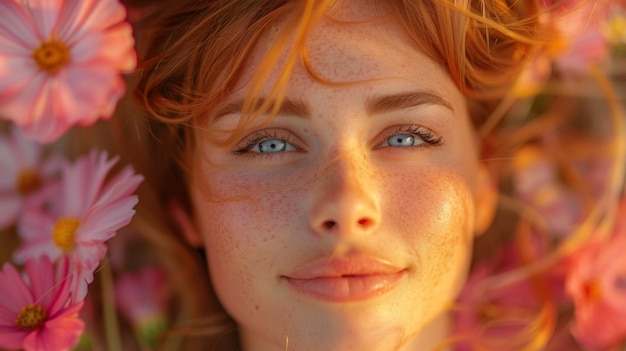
186,225
486,200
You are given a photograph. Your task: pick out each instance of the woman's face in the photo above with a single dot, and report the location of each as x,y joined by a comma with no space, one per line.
346,222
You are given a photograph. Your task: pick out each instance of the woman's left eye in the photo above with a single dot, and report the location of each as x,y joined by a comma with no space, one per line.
402,140
410,136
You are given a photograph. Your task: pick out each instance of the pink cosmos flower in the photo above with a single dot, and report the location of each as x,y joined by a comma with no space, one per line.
60,63
597,284
36,311
23,175
87,211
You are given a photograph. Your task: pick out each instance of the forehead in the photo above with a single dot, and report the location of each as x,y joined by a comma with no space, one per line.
355,41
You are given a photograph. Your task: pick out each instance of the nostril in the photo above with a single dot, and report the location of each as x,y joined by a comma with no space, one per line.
329,224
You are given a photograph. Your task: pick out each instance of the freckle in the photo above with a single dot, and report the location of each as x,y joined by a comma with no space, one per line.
256,307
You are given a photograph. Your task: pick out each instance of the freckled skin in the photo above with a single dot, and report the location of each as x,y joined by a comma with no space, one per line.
419,201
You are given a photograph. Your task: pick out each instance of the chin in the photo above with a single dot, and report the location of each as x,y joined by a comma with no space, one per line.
373,325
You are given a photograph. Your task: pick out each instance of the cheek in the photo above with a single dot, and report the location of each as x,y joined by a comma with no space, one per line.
232,237
435,213
437,205
244,232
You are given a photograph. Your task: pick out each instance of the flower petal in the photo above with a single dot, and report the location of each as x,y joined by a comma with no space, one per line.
41,277
88,257
21,107
35,224
72,18
44,14
10,206
12,338
114,48
123,184
101,224
82,182
7,317
17,24
93,89
16,73
93,16
14,293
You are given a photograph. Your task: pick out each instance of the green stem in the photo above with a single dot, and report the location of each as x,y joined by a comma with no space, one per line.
111,324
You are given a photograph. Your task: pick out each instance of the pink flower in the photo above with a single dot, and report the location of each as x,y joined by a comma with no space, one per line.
142,298
537,183
60,63
494,316
597,284
23,175
87,211
577,41
581,42
141,295
37,312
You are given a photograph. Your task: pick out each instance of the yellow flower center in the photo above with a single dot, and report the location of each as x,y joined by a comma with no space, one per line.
51,55
31,317
64,231
28,181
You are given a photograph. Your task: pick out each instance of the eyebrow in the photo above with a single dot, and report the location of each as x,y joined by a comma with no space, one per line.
389,103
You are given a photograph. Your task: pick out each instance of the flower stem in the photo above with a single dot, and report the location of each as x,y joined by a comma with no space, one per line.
111,325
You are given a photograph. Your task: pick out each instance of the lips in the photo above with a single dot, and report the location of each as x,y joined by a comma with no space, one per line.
345,279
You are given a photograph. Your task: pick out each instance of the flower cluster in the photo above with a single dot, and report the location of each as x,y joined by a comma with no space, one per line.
560,278
63,213
61,64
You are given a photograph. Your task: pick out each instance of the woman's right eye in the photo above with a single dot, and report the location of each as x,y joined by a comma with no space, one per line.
265,142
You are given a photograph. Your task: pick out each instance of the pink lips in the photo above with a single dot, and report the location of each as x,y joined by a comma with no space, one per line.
345,279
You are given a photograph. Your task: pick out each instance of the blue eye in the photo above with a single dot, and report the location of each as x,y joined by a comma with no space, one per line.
265,142
410,136
403,140
273,145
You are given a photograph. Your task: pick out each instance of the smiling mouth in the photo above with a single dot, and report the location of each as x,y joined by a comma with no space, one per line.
347,279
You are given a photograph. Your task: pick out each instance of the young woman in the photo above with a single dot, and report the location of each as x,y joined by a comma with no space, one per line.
325,157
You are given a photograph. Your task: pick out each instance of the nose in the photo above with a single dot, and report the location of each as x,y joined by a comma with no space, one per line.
345,201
